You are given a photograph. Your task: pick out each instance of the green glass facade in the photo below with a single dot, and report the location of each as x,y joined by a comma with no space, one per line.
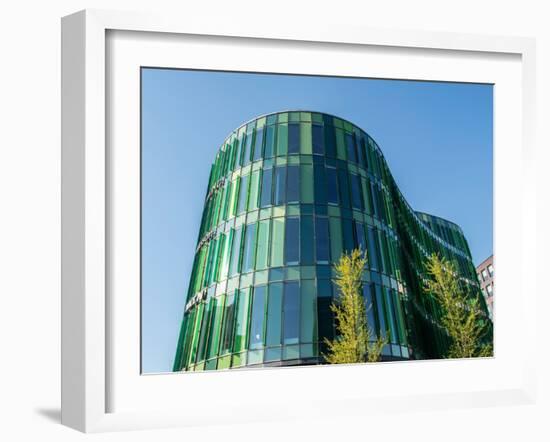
287,194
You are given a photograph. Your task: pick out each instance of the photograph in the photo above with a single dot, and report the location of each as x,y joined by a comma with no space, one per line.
304,220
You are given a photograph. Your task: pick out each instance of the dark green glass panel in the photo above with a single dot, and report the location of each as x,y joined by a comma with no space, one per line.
317,139
308,312
332,186
330,140
344,188
336,242
306,184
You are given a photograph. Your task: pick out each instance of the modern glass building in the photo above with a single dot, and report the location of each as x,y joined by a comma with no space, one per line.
288,193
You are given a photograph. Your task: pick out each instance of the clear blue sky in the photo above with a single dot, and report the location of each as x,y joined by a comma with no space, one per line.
436,137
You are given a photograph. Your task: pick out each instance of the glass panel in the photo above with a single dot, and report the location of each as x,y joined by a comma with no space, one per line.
305,138
249,248
369,307
372,245
391,315
205,325
247,148
263,245
335,239
266,187
291,313
257,318
350,147
277,242
380,310
274,314
225,255
292,241
232,201
235,252
330,141
306,184
215,322
293,138
258,143
308,312
306,240
320,184
356,192
282,139
348,234
279,186
241,320
243,194
227,327
360,236
321,240
254,190
340,145
293,184
269,142
317,139
332,186
344,187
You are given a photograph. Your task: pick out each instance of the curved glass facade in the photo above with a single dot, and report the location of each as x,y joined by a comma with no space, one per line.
287,194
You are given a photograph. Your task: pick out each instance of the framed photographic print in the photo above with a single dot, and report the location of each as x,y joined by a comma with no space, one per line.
274,221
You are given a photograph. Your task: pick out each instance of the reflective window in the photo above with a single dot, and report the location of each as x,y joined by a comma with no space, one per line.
277,241
235,252
332,186
306,240
350,147
263,244
292,241
293,138
266,187
308,312
279,186
243,194
257,318
321,240
320,184
317,139
344,187
356,192
254,189
241,320
228,321
293,184
335,239
282,139
247,148
380,310
348,235
291,313
215,322
306,184
249,248
369,308
372,249
258,143
330,141
269,142
274,314
490,269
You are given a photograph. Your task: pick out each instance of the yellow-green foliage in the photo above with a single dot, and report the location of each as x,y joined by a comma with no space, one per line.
461,315
352,343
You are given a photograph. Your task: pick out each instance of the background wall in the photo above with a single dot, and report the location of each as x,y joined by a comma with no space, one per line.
30,215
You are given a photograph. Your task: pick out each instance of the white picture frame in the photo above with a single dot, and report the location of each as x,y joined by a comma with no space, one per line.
101,388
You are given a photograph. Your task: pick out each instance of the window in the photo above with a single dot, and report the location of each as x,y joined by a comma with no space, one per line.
293,184
293,138
292,241
282,139
372,244
291,313
356,192
344,187
258,143
320,188
335,238
330,142
265,199
247,148
249,248
227,327
490,290
269,141
360,236
490,269
254,189
348,234
279,186
274,314
306,184
215,322
380,309
235,252
317,139
484,274
257,318
350,147
321,240
241,207
306,240
332,186
369,308
263,245
241,320
308,312
277,241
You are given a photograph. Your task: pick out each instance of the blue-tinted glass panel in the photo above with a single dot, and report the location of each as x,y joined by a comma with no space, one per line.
347,228
274,314
350,146
257,319
320,188
247,149
306,240
292,241
343,187
332,185
291,312
266,187
293,138
322,245
293,184
369,308
360,236
279,186
330,140
356,192
258,144
317,139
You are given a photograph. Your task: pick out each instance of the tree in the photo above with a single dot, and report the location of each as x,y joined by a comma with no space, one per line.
461,314
352,343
